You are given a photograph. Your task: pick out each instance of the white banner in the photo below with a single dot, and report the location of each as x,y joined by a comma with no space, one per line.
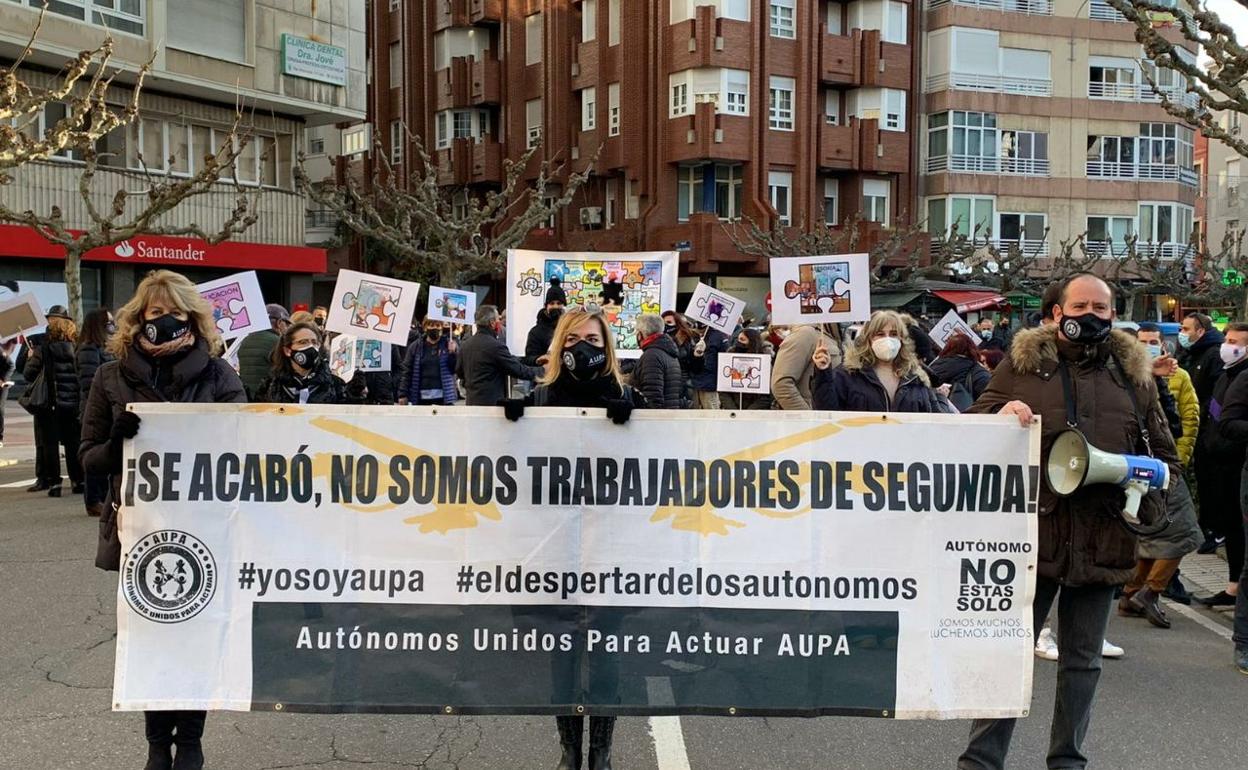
435,560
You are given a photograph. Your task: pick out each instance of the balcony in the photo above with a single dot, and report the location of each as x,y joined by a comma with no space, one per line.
861,58
963,81
1120,250
1141,92
1099,11
1029,7
465,13
1141,172
988,164
320,226
708,135
469,161
1028,248
469,82
862,146
485,11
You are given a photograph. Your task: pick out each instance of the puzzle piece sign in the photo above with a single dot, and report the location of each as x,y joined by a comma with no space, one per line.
455,306
827,289
745,373
625,285
372,356
342,356
714,308
237,304
949,325
372,307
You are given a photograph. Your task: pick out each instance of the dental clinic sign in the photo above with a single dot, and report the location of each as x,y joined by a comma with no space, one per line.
312,60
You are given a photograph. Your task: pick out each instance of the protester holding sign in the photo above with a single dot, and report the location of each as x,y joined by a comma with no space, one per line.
794,370
961,367
882,373
51,366
702,364
300,372
1077,373
167,347
427,375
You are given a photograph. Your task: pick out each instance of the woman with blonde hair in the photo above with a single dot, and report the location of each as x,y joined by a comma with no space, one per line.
167,349
56,424
582,372
881,372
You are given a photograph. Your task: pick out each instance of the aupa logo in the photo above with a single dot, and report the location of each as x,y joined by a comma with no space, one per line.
169,576
124,249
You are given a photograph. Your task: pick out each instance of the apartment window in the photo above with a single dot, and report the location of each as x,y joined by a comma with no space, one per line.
683,10
688,191
888,16
589,20
711,187
1025,152
1112,230
120,15
609,203
394,5
895,22
783,23
549,203
38,126
1165,223
613,22
680,97
1166,144
316,145
737,92
832,107
831,202
1112,78
728,190
459,41
894,101
780,193
533,39
970,137
734,9
834,9
396,142
973,60
875,195
887,105
589,108
396,65
613,109
727,89
1016,228
533,121
216,29
459,206
781,90
973,216
460,124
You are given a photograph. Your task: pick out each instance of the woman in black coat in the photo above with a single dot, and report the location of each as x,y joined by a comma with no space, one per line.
58,424
881,372
167,349
90,354
301,373
961,367
657,373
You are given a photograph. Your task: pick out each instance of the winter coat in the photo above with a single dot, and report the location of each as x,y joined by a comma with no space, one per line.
794,370
254,359
1224,437
484,365
540,336
1082,540
1180,384
1182,535
56,360
1204,363
323,388
410,374
657,374
595,394
960,371
702,369
87,360
847,389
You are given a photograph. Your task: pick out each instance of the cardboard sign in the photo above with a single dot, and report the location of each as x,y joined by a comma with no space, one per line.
455,306
20,315
744,373
829,289
372,307
237,304
950,324
372,356
342,351
715,308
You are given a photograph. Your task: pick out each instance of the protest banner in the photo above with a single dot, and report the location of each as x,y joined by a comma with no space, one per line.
624,284
20,315
455,306
822,289
714,308
420,559
372,307
744,373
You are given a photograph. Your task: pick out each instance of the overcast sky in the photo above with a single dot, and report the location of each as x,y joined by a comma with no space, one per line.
1233,13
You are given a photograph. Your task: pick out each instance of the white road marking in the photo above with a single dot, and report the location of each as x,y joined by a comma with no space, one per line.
668,737
16,484
1199,619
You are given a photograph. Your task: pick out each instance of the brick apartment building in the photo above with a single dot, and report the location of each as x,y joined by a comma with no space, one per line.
700,111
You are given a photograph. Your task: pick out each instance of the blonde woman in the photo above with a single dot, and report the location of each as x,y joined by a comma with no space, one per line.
881,372
167,349
56,425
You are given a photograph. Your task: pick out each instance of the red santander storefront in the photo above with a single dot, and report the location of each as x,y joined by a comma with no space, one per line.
109,274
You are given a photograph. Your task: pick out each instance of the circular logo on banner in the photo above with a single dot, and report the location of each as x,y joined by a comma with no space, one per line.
169,576
1071,328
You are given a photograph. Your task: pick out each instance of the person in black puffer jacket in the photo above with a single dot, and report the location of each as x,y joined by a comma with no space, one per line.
538,342
57,425
657,374
961,367
168,349
90,355
300,373
881,372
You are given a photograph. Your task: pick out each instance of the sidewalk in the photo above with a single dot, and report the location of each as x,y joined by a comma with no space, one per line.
19,436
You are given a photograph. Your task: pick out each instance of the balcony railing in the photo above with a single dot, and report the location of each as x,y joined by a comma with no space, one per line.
1028,248
963,81
1141,92
1119,250
988,164
1029,7
1151,172
1104,12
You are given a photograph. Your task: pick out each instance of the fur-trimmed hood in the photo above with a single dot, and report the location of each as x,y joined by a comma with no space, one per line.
1036,349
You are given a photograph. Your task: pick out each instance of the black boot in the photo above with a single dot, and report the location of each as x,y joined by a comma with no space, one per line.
1146,602
38,486
570,729
600,731
190,755
158,727
54,490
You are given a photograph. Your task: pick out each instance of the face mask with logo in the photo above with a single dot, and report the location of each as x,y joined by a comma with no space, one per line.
1185,340
584,361
306,357
166,328
1231,354
886,348
1086,329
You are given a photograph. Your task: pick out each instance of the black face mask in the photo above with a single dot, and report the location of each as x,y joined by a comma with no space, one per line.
319,321
671,329
1086,329
583,361
554,313
306,357
166,328
433,335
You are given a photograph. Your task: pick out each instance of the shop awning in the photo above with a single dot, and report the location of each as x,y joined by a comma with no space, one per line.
966,301
893,299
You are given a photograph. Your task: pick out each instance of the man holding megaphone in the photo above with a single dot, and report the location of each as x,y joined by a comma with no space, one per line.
1078,374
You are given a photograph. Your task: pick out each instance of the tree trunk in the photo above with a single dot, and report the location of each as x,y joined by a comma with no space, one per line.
73,284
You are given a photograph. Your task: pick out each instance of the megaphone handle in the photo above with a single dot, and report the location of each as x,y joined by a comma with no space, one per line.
1135,493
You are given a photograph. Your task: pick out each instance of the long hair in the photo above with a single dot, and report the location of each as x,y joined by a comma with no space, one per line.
62,330
860,356
683,334
960,346
756,340
95,328
175,291
278,358
567,322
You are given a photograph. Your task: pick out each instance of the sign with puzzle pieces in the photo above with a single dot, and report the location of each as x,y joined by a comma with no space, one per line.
827,289
237,304
624,284
372,307
714,308
455,306
950,325
342,352
372,356
745,373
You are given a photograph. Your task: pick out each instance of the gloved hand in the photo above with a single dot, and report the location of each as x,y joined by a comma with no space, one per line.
513,408
126,425
619,410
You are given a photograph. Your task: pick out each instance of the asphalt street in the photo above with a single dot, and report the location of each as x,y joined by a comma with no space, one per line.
1174,701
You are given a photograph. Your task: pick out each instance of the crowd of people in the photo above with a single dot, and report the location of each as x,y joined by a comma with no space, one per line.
1123,388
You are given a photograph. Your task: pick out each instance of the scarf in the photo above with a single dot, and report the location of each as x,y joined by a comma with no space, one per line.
185,342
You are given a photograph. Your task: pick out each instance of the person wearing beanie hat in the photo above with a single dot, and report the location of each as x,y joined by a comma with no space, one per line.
538,343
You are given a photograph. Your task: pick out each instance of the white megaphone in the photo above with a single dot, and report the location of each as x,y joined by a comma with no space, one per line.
1074,463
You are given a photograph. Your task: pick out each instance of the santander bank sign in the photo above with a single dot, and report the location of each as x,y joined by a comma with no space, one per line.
163,252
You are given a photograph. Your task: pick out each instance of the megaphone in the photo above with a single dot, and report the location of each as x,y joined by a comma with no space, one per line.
1074,463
